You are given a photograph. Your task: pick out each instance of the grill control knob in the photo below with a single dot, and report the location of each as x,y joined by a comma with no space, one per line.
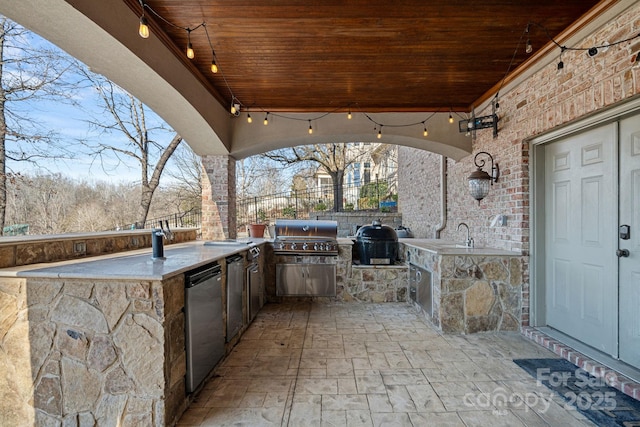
294,246
315,246
305,246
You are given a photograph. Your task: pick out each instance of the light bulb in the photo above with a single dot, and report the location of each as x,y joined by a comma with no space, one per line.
190,53
233,109
380,134
425,133
528,48
266,119
310,129
349,115
143,30
214,66
249,119
450,118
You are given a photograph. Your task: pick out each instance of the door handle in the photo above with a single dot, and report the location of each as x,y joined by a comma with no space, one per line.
620,253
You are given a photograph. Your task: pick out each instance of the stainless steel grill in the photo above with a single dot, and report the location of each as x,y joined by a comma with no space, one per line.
306,237
306,256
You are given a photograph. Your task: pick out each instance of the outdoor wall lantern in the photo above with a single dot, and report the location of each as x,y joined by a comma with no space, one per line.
480,181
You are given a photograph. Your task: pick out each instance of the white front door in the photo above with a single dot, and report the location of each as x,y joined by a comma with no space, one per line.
630,265
581,212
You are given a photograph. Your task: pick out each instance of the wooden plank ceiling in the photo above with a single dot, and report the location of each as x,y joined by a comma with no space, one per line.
367,55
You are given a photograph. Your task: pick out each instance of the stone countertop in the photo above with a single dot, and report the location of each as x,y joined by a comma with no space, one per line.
447,247
135,265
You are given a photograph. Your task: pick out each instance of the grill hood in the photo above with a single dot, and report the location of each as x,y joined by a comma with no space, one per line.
302,228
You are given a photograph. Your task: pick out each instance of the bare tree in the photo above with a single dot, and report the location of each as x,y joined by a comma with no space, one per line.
126,118
333,158
258,175
186,189
29,73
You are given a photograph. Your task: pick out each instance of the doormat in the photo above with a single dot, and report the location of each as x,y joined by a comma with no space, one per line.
591,396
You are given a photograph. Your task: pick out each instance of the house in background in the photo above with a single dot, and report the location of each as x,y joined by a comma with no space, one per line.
374,163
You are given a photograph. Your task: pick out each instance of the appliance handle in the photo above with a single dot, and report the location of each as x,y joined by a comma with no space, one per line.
197,280
234,258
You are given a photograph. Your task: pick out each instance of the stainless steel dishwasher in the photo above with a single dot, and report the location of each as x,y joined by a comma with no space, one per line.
235,283
203,323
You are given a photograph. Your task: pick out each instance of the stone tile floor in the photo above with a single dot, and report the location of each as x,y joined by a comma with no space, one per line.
350,364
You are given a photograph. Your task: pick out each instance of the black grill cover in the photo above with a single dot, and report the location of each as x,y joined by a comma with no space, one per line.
377,244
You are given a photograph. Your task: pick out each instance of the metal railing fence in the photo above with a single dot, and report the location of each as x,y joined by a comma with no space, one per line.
378,195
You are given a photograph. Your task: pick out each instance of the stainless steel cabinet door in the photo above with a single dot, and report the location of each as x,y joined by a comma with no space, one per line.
321,280
290,279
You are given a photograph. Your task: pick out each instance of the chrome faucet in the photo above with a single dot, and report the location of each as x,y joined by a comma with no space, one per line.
469,242
168,234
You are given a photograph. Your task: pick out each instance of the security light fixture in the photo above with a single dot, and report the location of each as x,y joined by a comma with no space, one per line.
480,181
482,122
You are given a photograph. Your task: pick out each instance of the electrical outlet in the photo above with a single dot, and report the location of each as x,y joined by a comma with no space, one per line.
499,221
79,247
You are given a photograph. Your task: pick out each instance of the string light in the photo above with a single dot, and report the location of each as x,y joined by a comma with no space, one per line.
561,63
529,47
143,31
190,53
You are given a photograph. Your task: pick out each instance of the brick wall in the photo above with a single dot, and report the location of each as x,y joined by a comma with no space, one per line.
218,198
548,99
419,187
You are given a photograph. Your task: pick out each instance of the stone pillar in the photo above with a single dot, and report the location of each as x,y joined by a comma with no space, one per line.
219,198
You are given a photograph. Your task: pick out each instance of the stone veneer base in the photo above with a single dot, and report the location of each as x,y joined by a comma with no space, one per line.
613,378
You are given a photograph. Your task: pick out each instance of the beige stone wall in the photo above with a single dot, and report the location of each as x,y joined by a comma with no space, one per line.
82,352
219,198
38,249
473,293
377,284
547,100
353,283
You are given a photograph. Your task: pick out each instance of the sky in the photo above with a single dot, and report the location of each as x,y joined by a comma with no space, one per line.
70,125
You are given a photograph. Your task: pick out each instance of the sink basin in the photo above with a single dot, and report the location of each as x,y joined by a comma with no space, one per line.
454,245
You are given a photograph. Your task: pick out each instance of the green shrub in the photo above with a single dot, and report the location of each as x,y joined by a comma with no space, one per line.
289,212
